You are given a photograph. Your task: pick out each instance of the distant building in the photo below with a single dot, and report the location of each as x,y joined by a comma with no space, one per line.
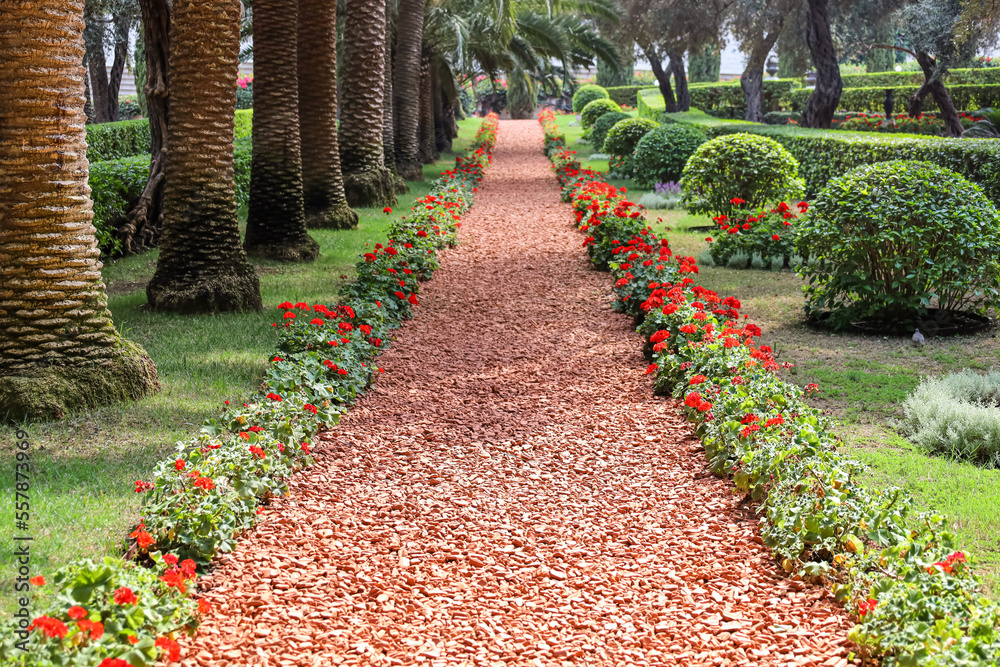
128,79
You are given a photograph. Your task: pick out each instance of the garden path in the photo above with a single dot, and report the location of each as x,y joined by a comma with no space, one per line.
510,491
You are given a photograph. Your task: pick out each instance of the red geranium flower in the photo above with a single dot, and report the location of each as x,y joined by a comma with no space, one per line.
125,596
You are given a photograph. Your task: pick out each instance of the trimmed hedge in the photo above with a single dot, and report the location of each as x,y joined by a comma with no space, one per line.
727,95
625,95
965,97
587,94
125,138
595,109
115,185
113,141
825,154
956,77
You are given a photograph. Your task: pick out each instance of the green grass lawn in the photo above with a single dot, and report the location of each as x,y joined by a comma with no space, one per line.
863,381
85,466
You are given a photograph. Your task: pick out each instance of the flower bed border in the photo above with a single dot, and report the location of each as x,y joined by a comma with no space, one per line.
898,570
129,611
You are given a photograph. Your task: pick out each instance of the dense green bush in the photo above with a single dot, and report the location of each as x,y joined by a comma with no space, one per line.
660,156
956,415
966,97
244,123
825,154
128,108
729,95
744,167
897,238
587,94
115,185
595,110
622,139
626,96
955,77
112,141
603,125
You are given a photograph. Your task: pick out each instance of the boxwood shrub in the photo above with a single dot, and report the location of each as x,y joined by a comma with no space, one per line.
825,154
660,156
625,95
622,139
897,238
595,110
739,170
955,77
587,94
603,125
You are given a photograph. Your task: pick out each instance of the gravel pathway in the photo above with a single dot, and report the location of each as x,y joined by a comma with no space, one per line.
510,492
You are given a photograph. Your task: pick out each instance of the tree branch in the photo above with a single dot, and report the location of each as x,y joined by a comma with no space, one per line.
893,48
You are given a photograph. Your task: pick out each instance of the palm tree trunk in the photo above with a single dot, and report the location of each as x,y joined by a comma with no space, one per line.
322,183
388,116
449,128
366,180
441,140
59,349
406,88
276,220
202,267
141,230
428,151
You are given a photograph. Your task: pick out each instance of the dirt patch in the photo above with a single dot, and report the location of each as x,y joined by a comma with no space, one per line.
125,286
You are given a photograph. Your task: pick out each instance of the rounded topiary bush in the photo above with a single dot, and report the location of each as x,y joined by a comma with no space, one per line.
603,125
622,139
587,94
595,110
743,166
660,156
897,239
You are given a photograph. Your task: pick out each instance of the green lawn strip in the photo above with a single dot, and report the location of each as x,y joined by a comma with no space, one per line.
85,466
863,381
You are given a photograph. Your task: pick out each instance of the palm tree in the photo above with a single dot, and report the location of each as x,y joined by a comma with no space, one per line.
406,88
367,182
59,349
202,267
276,220
428,145
322,183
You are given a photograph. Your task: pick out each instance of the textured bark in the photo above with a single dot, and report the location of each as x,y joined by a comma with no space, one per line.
752,81
88,104
680,80
122,26
58,346
406,88
202,267
97,63
276,219
444,117
388,115
822,104
428,149
366,180
662,78
141,230
322,182
441,140
934,86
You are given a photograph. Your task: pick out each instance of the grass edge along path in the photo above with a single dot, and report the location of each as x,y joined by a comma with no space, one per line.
84,465
118,613
900,573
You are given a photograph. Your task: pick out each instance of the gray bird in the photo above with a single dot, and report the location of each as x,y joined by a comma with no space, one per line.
918,338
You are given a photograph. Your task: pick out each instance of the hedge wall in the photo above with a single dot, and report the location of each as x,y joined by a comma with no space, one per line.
956,77
966,98
626,95
115,185
112,141
824,154
126,138
727,95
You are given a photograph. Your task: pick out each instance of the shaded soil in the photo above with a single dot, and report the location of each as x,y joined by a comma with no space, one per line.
510,492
